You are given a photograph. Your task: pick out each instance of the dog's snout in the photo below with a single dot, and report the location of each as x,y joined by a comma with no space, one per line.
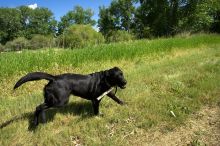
124,82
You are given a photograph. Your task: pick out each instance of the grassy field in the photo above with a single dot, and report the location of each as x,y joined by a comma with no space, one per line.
176,74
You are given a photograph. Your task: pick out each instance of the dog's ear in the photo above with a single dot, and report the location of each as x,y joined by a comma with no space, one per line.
110,72
107,73
115,68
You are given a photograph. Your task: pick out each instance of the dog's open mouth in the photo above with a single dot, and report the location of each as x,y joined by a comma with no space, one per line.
122,84
123,87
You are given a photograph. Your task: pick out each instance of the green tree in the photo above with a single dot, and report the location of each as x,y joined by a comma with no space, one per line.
42,22
152,16
118,16
10,24
25,20
123,13
173,15
215,27
199,15
106,21
37,21
76,16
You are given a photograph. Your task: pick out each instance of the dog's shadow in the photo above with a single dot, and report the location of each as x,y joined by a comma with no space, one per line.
84,109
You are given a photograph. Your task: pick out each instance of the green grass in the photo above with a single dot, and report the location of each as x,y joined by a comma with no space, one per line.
174,74
12,63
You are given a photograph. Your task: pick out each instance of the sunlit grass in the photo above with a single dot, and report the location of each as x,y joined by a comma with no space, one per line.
176,74
12,63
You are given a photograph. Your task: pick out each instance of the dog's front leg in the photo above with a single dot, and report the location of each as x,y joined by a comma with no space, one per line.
115,98
95,104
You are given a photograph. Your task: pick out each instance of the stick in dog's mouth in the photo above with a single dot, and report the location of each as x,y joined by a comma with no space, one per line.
105,93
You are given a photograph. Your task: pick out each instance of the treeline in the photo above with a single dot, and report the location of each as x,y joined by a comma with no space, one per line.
23,27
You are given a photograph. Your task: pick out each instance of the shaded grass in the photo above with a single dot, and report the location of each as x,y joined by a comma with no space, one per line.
179,80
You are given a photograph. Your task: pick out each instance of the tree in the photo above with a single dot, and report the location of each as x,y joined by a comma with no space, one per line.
152,16
199,15
76,16
25,21
42,22
106,21
215,27
118,16
37,21
123,13
173,15
10,24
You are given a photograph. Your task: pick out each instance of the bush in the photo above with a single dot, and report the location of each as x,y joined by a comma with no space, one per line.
78,36
119,36
17,44
41,41
1,48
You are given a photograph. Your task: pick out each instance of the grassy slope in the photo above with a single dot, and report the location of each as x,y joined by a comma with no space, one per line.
178,74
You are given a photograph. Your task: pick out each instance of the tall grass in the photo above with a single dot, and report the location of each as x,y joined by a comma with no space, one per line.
12,63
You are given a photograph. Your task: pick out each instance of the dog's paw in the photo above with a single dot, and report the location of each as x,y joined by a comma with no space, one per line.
122,103
35,123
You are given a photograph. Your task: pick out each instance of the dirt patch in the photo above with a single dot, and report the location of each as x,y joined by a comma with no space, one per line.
203,128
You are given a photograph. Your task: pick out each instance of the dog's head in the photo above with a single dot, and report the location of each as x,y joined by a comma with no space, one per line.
115,77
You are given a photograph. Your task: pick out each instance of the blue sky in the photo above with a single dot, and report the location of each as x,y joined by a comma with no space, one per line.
59,7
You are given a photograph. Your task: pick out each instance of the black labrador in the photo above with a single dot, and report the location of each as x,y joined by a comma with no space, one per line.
60,87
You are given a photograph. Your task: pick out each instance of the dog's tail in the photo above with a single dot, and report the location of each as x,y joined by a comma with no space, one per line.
33,77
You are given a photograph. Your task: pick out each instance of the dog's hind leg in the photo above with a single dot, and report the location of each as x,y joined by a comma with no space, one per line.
40,110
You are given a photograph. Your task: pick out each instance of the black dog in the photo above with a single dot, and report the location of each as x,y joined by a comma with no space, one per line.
60,87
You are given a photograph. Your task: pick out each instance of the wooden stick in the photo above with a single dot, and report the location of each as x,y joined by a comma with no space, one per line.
105,93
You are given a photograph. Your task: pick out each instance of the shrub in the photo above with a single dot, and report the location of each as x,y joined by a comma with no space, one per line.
41,41
119,36
1,48
78,36
17,44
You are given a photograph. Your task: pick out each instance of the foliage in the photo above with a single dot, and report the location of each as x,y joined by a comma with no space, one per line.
9,23
24,22
118,16
106,21
37,21
78,36
199,15
142,18
17,44
42,41
76,16
122,12
152,14
1,48
160,17
215,27
119,36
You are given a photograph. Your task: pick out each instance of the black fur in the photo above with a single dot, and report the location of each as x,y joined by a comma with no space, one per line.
60,87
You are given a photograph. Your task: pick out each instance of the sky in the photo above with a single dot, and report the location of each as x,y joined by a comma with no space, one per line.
58,7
